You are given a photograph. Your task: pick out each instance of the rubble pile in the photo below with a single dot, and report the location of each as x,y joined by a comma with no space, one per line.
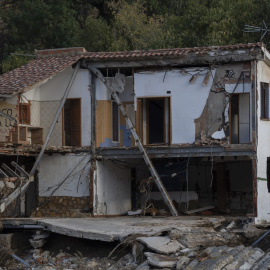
44,259
8,185
217,246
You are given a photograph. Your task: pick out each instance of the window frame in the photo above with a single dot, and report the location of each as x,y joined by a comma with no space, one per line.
25,113
264,101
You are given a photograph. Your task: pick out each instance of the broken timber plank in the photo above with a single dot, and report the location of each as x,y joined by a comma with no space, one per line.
113,91
200,209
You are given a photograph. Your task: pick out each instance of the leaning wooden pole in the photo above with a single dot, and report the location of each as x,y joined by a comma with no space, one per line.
113,91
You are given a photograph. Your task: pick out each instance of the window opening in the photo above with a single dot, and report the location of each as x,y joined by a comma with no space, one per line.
153,120
264,101
115,122
240,118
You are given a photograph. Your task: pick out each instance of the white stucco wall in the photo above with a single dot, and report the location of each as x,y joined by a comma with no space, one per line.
53,170
187,99
49,96
263,149
112,190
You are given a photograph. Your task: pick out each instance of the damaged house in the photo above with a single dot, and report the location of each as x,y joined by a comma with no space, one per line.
109,132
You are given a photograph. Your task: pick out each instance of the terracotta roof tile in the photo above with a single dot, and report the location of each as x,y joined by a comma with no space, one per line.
57,60
33,72
164,52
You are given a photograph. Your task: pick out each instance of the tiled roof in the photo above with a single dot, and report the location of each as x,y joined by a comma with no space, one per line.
33,72
50,62
178,52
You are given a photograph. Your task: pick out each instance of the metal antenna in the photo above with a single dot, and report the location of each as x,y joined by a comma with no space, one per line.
254,29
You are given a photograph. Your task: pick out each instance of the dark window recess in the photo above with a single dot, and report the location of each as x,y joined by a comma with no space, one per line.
72,122
264,100
24,113
115,122
268,173
173,175
156,120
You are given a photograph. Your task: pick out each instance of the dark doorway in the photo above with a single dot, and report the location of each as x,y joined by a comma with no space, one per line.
72,122
156,121
153,120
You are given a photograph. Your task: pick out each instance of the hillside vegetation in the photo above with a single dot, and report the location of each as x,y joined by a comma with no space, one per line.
100,25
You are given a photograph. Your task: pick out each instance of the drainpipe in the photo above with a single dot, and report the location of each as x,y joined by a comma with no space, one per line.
93,141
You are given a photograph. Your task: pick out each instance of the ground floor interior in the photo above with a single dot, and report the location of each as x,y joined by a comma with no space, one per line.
226,183
118,185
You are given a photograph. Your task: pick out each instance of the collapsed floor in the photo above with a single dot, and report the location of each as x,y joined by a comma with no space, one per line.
147,243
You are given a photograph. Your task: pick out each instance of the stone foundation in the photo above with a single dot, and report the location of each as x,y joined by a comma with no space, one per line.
59,206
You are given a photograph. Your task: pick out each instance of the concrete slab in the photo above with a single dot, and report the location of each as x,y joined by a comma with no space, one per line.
161,244
117,228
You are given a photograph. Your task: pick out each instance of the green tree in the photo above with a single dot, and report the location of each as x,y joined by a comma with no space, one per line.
96,35
39,24
133,29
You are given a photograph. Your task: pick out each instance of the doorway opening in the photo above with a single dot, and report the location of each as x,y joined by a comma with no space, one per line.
72,122
153,120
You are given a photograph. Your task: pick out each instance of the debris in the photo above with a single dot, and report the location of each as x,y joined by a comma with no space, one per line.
137,251
37,243
174,234
161,244
161,260
249,231
134,213
126,260
200,209
143,266
182,262
231,225
151,211
219,135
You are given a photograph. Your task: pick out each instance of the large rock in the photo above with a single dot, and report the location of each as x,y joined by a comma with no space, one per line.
161,244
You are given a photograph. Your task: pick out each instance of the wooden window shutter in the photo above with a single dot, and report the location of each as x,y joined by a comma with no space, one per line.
25,113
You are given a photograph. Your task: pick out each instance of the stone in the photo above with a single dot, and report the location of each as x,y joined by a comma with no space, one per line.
37,243
161,244
137,251
174,234
159,260
182,262
2,184
60,255
252,259
91,264
134,213
10,185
